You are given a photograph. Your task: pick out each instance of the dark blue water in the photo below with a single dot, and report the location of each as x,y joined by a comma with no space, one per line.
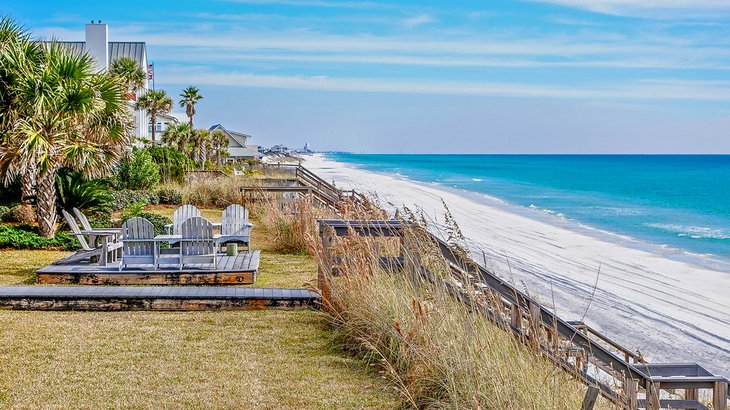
682,201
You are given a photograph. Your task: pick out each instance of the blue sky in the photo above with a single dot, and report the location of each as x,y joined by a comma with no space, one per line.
531,76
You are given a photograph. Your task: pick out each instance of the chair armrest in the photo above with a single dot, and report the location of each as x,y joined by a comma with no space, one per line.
168,228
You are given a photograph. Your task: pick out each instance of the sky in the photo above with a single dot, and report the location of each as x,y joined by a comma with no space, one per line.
500,76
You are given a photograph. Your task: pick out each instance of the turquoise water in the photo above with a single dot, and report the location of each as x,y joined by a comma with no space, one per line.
682,201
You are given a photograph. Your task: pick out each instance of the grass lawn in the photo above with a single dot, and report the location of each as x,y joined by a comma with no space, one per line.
246,359
17,267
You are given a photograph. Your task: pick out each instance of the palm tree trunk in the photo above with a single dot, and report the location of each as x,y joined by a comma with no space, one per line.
46,203
190,121
27,190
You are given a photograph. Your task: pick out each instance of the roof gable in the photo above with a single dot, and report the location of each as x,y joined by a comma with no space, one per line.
238,137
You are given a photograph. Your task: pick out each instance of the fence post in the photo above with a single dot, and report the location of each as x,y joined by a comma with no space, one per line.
719,396
589,401
631,388
652,395
325,266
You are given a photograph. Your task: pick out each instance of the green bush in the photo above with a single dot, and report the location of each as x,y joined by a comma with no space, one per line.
124,198
4,212
139,173
26,237
169,196
93,197
173,163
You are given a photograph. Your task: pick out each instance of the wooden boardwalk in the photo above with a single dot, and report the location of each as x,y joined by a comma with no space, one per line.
240,270
108,298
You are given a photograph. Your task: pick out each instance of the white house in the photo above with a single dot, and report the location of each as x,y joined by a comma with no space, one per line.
238,146
165,121
104,52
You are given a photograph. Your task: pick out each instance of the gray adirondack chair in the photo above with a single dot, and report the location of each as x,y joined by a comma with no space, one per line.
235,226
92,252
198,244
181,214
87,227
138,246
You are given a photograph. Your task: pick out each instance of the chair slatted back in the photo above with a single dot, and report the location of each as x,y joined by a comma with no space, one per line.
82,218
182,214
75,229
137,228
197,228
235,218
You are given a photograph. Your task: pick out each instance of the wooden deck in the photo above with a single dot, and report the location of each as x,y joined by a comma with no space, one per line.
230,270
109,298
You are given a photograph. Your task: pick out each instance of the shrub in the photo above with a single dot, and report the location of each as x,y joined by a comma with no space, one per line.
26,237
139,173
4,212
173,163
134,209
20,213
93,197
169,195
124,198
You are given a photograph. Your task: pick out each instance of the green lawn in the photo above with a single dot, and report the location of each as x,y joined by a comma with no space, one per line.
230,359
245,359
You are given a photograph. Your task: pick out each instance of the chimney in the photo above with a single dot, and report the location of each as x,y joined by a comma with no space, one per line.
97,44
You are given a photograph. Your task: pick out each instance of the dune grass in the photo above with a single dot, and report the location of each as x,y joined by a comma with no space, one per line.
245,359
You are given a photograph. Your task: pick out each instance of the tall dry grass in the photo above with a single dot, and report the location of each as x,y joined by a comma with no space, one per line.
438,351
290,224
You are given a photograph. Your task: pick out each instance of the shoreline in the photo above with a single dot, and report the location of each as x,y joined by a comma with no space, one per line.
670,308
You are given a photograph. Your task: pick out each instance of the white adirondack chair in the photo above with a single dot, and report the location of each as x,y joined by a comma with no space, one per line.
181,214
138,246
92,252
235,226
198,244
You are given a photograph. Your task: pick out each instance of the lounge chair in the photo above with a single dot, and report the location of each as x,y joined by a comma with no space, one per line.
87,227
235,226
181,214
138,246
93,253
198,245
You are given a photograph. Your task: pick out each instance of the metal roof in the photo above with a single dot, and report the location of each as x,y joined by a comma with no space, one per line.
136,50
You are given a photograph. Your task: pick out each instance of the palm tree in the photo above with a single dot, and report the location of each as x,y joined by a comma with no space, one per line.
79,121
130,73
220,144
155,102
180,135
18,55
200,140
189,98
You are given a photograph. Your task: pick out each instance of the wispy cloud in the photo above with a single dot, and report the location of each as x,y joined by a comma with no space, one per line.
418,20
649,8
650,90
316,3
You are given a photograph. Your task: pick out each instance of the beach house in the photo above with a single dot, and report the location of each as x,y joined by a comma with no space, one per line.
238,147
105,52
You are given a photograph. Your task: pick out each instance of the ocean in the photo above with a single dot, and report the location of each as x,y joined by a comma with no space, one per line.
671,201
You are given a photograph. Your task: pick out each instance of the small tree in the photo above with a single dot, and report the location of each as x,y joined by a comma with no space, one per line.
139,173
130,73
155,102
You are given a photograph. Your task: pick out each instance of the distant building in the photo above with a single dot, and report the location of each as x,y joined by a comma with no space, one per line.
238,147
165,121
105,52
279,149
307,149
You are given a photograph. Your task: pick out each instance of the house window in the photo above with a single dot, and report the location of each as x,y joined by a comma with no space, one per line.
159,127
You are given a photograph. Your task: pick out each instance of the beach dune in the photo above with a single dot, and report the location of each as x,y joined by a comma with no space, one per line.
669,309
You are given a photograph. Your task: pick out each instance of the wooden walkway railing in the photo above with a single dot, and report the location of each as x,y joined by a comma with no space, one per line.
621,376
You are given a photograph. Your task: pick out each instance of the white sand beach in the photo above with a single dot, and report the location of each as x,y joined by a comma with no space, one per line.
670,310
